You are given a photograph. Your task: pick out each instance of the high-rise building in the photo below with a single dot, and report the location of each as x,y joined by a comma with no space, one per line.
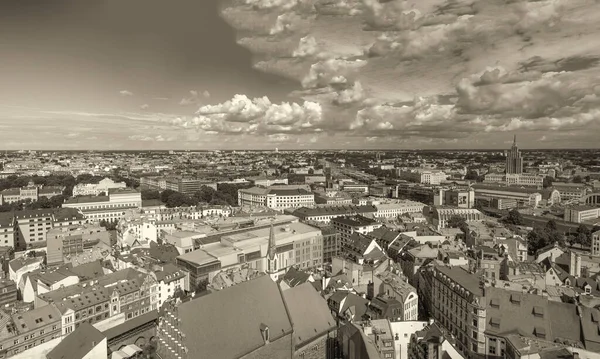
514,161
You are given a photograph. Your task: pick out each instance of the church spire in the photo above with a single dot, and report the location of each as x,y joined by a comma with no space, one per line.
272,252
515,140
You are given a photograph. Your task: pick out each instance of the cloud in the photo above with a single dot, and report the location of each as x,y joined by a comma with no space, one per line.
72,135
350,95
259,115
270,4
194,98
288,23
125,93
144,106
278,137
324,73
147,138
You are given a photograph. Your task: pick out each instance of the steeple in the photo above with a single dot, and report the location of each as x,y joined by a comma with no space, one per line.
272,251
515,140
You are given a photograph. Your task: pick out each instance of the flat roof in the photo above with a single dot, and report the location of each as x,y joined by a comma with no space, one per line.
87,199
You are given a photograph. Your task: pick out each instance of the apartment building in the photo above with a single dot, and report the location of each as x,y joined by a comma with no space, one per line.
515,179
432,343
32,226
297,244
170,278
183,185
278,198
581,214
326,214
104,302
108,208
29,334
8,292
346,226
31,192
95,189
596,243
7,230
267,181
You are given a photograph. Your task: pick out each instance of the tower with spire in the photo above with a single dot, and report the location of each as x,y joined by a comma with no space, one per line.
514,161
272,262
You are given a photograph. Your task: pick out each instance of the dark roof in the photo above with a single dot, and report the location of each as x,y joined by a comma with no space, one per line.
294,277
289,192
152,203
354,221
131,324
89,270
309,313
87,199
65,214
467,280
333,210
211,332
6,219
590,326
528,314
165,253
77,344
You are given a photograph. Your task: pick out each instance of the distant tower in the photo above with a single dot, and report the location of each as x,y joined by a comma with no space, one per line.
272,265
514,161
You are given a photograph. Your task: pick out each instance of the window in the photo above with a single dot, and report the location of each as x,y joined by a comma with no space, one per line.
492,350
16,341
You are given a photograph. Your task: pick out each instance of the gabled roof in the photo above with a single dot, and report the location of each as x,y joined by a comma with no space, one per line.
294,277
77,344
226,324
309,313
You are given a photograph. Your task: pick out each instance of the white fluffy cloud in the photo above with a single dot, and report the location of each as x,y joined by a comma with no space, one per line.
350,95
259,115
125,93
147,138
144,106
324,73
269,4
194,98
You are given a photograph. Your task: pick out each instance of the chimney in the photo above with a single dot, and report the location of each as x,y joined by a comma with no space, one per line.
264,331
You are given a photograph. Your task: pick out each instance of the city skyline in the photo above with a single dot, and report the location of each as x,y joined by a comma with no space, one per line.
256,74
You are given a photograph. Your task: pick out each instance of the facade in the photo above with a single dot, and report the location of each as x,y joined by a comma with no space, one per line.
393,210
570,192
456,298
514,179
183,185
346,226
95,189
514,160
169,280
580,214
7,230
276,198
596,243
31,192
524,197
456,198
298,244
424,176
108,208
442,215
325,214
105,302
432,343
27,334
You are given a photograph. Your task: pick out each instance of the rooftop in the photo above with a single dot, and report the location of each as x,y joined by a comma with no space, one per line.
464,278
78,344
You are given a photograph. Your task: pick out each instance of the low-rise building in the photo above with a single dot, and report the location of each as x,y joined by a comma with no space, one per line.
432,342
325,214
8,292
108,208
581,214
170,279
441,215
278,198
70,241
525,197
395,209
31,192
570,192
86,342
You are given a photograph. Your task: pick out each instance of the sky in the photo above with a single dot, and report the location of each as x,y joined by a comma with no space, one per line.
299,74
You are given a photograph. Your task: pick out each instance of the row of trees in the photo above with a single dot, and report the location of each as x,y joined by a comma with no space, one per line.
43,202
66,181
226,194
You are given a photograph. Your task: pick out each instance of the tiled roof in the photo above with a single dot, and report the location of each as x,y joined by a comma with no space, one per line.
294,277
36,318
78,344
467,280
333,210
309,313
211,332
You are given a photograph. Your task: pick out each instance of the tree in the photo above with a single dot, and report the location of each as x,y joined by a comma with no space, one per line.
456,222
472,175
164,196
548,181
514,217
551,226
577,179
583,236
150,194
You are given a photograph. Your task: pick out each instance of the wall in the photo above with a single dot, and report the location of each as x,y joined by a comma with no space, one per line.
110,322
317,349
